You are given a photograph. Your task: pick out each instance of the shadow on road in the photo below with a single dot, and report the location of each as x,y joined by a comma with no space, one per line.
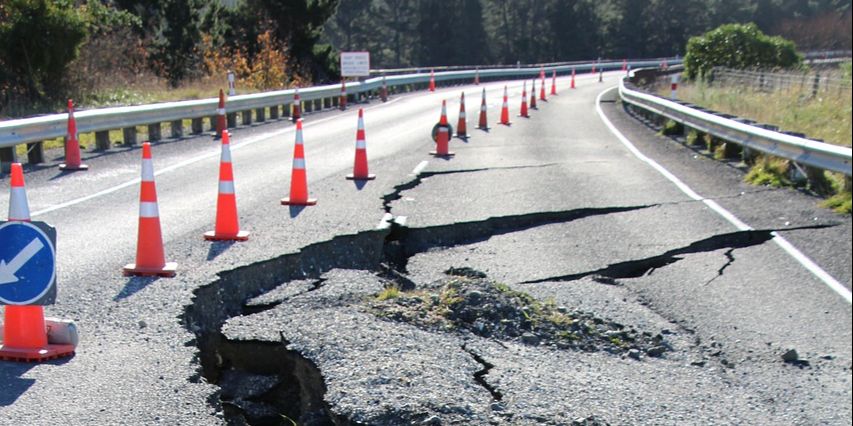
134,285
14,385
217,248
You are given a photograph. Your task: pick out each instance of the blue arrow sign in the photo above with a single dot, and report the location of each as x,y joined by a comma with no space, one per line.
27,263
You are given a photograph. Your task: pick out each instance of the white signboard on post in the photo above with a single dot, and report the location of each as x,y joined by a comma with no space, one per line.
355,64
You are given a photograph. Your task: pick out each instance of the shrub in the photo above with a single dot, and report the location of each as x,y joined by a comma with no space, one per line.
738,46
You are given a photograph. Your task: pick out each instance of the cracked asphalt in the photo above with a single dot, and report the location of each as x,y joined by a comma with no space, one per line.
553,206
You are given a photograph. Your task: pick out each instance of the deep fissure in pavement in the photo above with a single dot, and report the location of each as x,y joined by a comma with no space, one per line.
638,268
480,375
299,390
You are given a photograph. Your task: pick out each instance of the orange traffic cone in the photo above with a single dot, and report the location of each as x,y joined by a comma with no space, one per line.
297,106
220,115
150,260
542,90
624,64
343,102
227,226
72,146
505,111
593,68
533,95
554,83
24,332
298,178
383,92
359,169
483,124
523,112
573,79
432,80
442,140
462,123
477,76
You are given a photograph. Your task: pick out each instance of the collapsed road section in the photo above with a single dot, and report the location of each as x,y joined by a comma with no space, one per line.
338,334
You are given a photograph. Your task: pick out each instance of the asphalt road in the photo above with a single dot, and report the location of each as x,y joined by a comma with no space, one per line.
679,266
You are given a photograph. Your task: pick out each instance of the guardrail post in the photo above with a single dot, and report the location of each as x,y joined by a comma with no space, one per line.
212,121
8,156
247,117
260,115
318,104
285,110
231,120
129,135
274,112
327,103
816,84
177,127
154,132
35,152
197,126
308,106
335,101
102,140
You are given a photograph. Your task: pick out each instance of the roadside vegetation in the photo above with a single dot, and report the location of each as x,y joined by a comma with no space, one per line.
768,83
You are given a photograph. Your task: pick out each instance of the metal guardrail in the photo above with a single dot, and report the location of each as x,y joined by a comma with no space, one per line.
800,150
36,129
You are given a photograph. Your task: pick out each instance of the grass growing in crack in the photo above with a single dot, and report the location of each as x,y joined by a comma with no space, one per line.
391,292
494,310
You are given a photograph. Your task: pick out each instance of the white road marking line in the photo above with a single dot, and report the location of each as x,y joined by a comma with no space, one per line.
807,263
400,220
385,222
419,168
213,154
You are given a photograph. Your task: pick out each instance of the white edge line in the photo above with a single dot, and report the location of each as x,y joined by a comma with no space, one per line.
215,153
789,248
419,168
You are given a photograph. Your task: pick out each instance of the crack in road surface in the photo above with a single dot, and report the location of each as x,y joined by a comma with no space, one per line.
385,252
480,375
647,266
397,191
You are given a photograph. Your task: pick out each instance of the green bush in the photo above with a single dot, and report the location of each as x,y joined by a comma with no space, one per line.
38,39
738,46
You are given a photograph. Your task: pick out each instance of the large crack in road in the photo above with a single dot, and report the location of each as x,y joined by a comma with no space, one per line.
299,392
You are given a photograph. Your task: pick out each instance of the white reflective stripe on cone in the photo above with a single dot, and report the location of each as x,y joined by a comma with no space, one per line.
299,163
299,138
226,187
148,209
19,208
226,155
462,114
360,144
147,170
220,111
442,130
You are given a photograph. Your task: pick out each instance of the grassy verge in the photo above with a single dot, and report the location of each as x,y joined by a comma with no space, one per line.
826,116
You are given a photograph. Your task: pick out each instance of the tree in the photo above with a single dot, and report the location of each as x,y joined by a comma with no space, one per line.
738,46
38,39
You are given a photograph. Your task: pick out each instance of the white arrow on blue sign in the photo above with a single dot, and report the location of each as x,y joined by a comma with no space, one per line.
27,263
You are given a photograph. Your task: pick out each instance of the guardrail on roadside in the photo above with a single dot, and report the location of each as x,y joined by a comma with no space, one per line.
32,131
803,151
